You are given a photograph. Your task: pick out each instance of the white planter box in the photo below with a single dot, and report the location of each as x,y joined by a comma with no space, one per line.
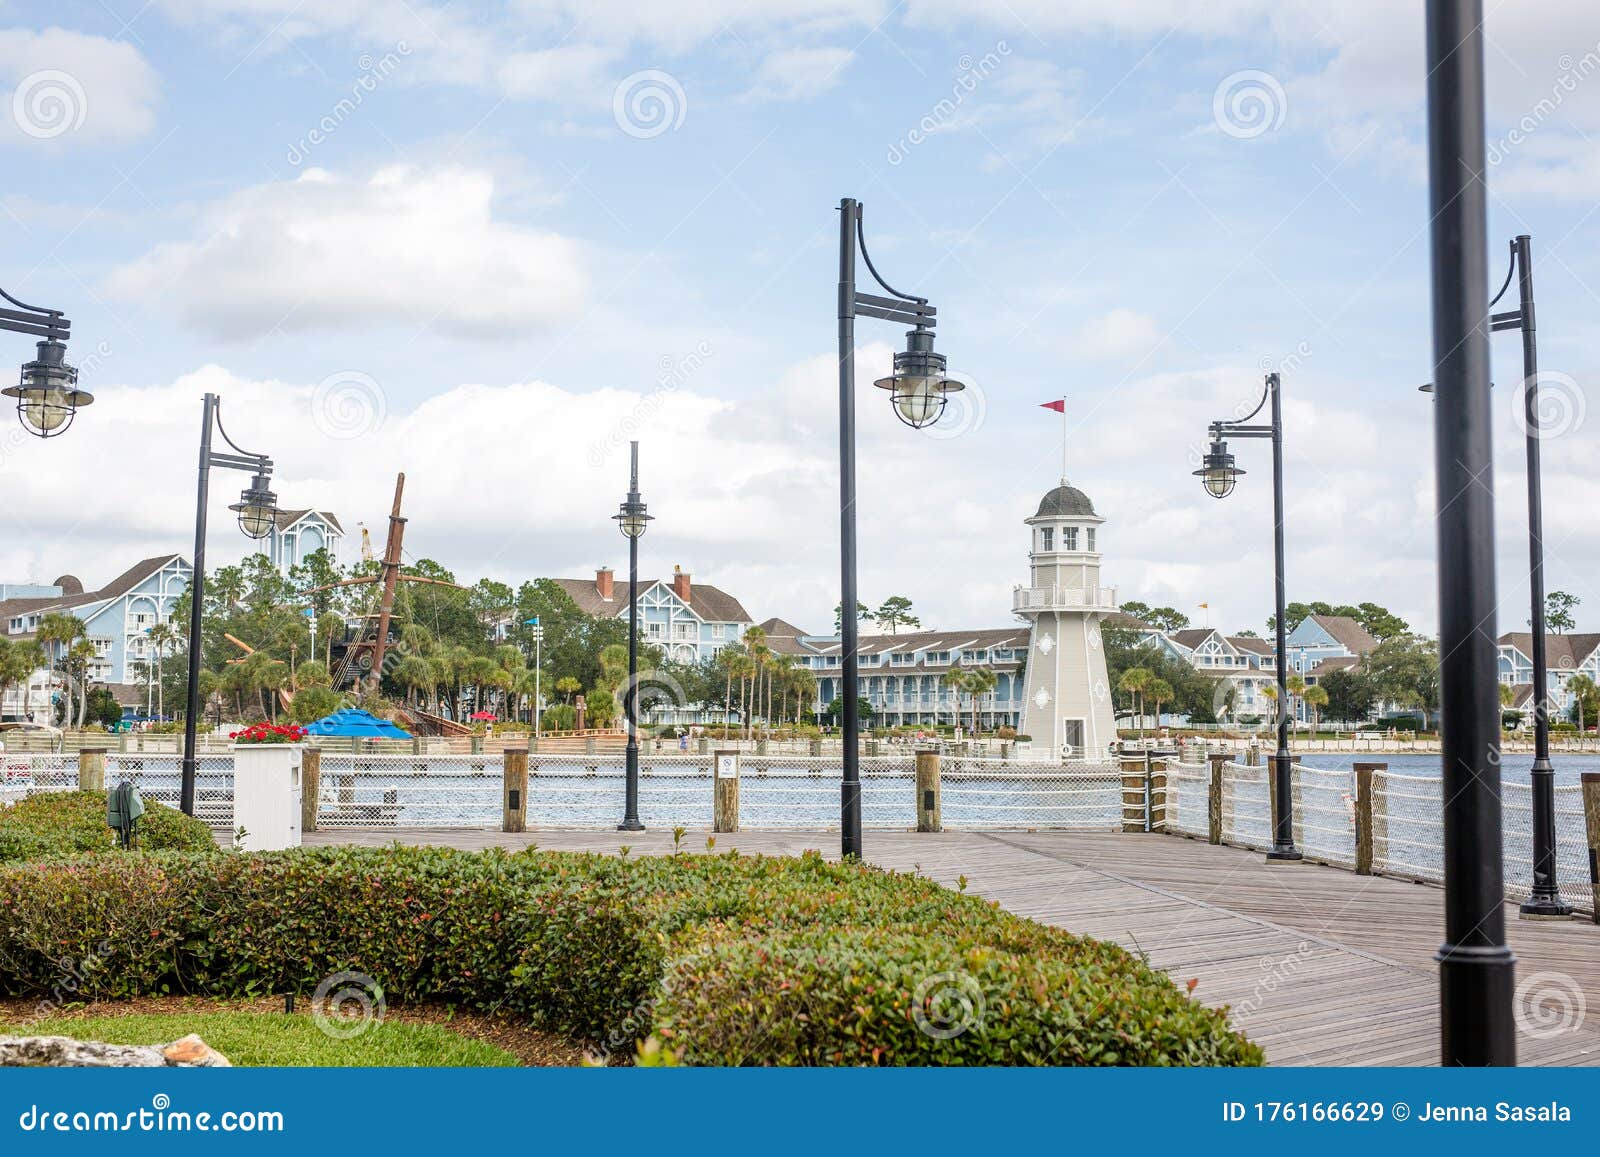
266,795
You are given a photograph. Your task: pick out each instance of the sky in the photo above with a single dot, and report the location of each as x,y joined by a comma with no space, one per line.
488,244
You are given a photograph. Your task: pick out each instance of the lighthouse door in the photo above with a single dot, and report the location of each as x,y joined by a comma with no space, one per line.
1072,736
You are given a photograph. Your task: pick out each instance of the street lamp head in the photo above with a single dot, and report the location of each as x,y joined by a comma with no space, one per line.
1218,472
257,508
918,387
47,393
631,518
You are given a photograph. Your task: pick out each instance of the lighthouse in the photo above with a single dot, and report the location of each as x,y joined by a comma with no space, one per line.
1067,708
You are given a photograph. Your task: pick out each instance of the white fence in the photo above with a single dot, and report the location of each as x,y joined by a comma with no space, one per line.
1407,822
777,791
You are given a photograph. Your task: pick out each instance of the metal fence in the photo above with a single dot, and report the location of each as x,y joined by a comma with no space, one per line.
777,791
1407,821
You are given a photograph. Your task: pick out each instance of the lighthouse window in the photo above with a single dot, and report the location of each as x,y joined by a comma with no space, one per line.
1047,539
1089,534
1069,538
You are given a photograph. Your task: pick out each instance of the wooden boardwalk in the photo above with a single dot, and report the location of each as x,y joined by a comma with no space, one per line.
1319,965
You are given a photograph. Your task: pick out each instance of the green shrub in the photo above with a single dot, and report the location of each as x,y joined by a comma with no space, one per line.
72,822
729,959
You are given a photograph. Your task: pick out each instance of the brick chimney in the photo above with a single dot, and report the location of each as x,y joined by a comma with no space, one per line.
602,582
680,583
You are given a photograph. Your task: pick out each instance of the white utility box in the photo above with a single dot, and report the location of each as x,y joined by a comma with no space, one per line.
266,796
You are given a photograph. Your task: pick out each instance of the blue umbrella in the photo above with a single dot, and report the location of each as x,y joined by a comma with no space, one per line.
353,722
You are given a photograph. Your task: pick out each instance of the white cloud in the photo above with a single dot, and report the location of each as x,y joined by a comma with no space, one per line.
800,73
408,246
71,88
571,73
1119,334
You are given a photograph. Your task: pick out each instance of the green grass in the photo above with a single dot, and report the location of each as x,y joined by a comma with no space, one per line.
254,1039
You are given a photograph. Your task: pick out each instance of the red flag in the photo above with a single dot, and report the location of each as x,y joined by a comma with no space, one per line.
1059,406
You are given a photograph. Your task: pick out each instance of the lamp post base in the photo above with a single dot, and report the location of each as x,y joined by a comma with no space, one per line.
630,826
1537,908
1293,856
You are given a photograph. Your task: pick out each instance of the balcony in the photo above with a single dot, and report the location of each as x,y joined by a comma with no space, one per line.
1063,599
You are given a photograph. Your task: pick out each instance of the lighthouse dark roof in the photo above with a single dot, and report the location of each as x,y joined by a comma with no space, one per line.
1066,502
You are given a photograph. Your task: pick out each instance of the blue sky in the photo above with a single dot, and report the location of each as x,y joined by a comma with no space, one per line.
488,269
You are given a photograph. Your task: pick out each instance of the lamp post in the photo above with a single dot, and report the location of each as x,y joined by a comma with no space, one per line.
47,393
1477,970
1544,901
1218,473
631,519
536,630
257,509
918,389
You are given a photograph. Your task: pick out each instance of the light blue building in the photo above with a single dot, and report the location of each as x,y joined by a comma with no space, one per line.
1564,655
689,621
298,533
117,617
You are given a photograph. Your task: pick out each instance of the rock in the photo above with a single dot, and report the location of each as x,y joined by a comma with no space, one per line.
64,1052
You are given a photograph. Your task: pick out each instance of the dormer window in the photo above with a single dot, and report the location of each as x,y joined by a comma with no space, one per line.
1047,539
1069,538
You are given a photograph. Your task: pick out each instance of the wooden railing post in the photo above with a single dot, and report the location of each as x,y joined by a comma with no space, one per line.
725,791
1214,799
92,769
1591,822
310,788
1155,792
514,776
1134,816
1364,844
929,818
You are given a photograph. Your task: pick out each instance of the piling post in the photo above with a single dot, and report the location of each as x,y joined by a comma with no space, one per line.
92,769
929,818
1591,822
310,787
514,780
725,791
1364,842
1214,799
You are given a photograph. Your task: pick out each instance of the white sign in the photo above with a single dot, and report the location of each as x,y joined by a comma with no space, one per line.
728,766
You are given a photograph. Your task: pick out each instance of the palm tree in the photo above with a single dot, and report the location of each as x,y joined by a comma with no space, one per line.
979,682
416,674
1582,689
1315,698
956,680
83,653
728,659
56,632
568,686
1133,682
30,657
1161,691
11,666
1297,690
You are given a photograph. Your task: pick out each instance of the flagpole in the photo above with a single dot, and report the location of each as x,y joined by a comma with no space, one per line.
1063,439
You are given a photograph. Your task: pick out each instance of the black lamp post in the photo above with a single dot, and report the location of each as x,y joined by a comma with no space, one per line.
1477,970
1544,900
47,393
257,510
631,519
1218,473
918,388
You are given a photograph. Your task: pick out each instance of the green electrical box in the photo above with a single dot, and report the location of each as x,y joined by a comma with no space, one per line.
123,809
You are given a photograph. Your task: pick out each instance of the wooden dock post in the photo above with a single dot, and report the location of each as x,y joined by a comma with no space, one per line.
310,787
1214,799
1155,790
514,777
725,791
1134,816
929,818
1591,821
1363,803
92,769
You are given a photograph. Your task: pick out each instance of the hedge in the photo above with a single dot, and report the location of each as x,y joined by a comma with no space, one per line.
67,823
720,959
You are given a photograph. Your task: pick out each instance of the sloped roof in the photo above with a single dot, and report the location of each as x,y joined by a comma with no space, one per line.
1191,637
1561,652
711,603
1338,663
1125,622
1346,632
920,641
1065,502
1250,643
784,637
116,588
287,518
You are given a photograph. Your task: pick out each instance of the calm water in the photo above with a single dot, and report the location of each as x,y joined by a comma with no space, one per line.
1513,765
